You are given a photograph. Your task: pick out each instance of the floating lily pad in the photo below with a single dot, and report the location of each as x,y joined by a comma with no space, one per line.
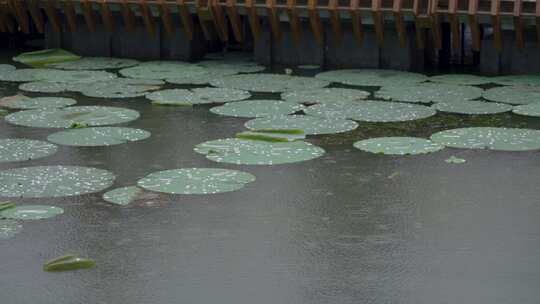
309,124
26,103
462,79
122,196
196,181
254,152
325,95
518,80
270,136
99,136
31,212
52,75
163,70
517,95
268,82
429,92
66,117
532,109
53,181
196,96
68,262
472,107
194,79
398,145
372,111
119,88
95,63
455,160
45,87
371,77
9,228
225,67
6,68
44,57
257,108
504,139
18,149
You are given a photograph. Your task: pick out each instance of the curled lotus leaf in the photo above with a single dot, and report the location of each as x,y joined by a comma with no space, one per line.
255,152
325,95
472,107
98,136
503,139
31,212
162,70
532,109
257,108
309,124
270,136
398,145
429,92
517,95
462,79
196,181
95,63
67,117
53,181
371,77
268,82
122,196
20,149
196,96
43,57
22,102
372,111
68,262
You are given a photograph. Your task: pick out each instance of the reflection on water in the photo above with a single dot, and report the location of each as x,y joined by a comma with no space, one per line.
349,227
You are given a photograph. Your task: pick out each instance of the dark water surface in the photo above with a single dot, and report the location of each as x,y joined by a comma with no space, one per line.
350,227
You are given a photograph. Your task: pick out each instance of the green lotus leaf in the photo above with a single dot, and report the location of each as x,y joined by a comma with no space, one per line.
66,117
46,87
257,108
518,80
429,92
472,107
462,79
98,136
371,77
45,57
122,196
196,181
19,149
119,88
196,96
53,181
226,67
517,95
504,139
95,63
9,228
371,111
268,82
398,145
31,212
532,109
163,70
68,262
270,136
256,152
6,205
26,103
325,95
309,124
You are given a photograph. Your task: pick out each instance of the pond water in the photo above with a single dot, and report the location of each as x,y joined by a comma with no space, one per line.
349,227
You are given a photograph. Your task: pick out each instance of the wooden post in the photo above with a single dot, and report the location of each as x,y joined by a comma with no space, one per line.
294,21
496,24
518,23
127,16
378,21
273,17
35,13
50,10
315,20
335,21
234,18
166,18
356,21
435,23
147,18
69,12
88,13
106,16
454,24
473,24
187,21
219,20
400,23
253,19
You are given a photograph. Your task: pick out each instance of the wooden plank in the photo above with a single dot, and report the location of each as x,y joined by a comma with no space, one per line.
204,13
378,21
496,24
294,21
455,30
88,13
397,6
356,21
147,18
50,11
71,17
35,13
315,21
335,21
234,18
518,23
218,17
273,17
185,16
166,18
106,16
254,22
435,24
473,24
127,16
